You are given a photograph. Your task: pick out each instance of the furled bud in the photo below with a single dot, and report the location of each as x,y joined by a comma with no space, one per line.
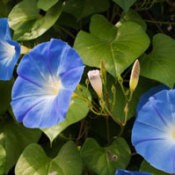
134,78
95,81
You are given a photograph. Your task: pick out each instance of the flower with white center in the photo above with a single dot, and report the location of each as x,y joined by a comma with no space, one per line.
153,134
95,81
126,172
48,75
9,51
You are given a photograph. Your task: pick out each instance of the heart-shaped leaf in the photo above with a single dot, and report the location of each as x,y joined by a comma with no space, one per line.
74,114
14,138
46,5
105,161
118,46
125,4
159,64
27,22
34,161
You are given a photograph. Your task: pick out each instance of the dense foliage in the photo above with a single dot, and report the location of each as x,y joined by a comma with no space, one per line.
125,48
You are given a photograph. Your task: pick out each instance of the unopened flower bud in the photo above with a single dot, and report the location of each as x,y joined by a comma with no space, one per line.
95,81
134,78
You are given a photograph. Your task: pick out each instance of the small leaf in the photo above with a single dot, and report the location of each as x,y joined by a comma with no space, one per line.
117,46
148,168
105,161
81,9
2,160
28,23
34,161
14,138
46,4
159,64
74,115
125,4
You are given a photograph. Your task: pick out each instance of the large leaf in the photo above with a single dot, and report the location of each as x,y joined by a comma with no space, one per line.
125,4
159,64
34,161
5,95
74,114
46,5
83,8
105,161
148,168
118,46
2,160
27,22
14,138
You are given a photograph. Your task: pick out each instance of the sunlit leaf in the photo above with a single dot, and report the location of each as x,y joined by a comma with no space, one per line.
27,22
118,46
34,161
14,138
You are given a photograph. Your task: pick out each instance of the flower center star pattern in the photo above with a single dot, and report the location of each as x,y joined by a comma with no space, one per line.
47,77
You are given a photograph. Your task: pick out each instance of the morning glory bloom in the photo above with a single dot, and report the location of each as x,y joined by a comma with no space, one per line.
47,77
9,51
153,134
126,172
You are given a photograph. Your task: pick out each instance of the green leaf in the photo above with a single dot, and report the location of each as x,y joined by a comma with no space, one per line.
105,161
34,161
159,64
14,138
5,95
27,22
46,4
83,8
148,168
2,159
125,4
132,15
118,46
74,114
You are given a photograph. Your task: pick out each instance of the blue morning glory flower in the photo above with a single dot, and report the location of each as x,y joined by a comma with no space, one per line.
48,75
9,51
126,172
153,134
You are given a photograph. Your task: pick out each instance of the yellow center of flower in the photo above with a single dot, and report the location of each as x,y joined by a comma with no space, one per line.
173,134
53,86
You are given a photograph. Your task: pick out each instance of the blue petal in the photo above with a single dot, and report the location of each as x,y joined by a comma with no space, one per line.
153,131
144,98
126,172
43,91
159,153
71,78
4,29
48,112
9,54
